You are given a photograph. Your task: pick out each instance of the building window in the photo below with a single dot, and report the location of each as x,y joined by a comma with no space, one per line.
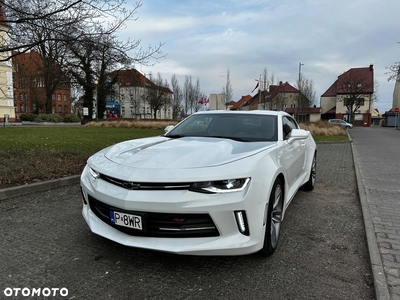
21,108
25,96
65,109
59,109
21,96
53,97
65,98
360,102
358,118
59,97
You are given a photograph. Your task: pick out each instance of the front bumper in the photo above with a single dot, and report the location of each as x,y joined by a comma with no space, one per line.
226,239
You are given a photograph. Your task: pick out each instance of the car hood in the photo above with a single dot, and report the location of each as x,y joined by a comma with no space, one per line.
181,153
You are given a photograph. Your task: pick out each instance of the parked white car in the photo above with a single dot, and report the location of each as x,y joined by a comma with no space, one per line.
218,183
341,122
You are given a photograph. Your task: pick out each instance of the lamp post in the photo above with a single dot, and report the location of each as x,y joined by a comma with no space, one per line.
296,108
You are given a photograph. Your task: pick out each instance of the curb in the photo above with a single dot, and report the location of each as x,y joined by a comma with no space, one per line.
37,187
378,273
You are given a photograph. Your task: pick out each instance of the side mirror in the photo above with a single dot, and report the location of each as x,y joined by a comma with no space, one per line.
168,128
298,134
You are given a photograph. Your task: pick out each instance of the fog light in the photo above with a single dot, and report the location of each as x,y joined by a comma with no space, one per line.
241,221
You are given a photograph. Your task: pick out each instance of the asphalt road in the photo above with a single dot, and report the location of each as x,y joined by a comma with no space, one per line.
322,253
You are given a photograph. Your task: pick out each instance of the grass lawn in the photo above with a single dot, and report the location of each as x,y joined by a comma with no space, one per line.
31,154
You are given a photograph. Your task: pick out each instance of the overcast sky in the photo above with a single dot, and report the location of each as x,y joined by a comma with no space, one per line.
203,38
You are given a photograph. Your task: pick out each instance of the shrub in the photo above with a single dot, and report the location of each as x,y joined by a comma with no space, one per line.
27,117
142,124
72,118
53,118
324,128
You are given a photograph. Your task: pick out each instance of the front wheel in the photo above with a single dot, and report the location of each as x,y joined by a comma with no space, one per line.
310,184
274,219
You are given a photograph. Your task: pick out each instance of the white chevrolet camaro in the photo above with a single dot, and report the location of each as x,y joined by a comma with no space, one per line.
218,183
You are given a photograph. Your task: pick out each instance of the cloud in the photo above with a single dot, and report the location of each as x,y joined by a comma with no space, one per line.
205,38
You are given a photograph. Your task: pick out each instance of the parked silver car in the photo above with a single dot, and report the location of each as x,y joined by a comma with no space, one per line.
341,122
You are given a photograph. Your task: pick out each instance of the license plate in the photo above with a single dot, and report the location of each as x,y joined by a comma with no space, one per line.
126,220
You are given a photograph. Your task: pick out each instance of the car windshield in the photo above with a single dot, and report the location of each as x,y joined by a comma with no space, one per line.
239,127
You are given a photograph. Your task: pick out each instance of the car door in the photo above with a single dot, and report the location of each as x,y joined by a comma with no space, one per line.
294,154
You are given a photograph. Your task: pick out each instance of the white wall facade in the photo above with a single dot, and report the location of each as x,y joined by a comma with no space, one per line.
134,106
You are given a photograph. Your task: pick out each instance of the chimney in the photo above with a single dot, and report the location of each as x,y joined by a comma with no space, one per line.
371,67
280,83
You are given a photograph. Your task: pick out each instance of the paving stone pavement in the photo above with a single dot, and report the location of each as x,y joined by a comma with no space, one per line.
376,152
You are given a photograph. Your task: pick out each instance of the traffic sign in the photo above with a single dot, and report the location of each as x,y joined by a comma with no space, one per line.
396,110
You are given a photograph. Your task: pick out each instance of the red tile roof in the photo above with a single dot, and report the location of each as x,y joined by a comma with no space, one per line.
274,90
133,77
241,102
353,77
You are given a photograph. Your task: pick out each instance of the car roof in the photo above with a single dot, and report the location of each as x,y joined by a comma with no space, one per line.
249,112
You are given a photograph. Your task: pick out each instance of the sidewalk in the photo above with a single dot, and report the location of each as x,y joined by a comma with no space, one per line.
376,152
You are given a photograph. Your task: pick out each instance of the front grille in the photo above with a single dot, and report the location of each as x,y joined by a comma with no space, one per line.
171,225
145,186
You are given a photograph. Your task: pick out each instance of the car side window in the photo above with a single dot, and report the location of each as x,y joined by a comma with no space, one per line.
288,124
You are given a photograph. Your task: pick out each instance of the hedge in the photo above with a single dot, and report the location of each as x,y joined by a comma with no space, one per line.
52,118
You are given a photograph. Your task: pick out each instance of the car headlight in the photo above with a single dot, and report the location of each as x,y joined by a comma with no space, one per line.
220,186
95,174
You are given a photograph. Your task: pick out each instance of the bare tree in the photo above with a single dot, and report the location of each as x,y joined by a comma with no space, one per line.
195,96
267,81
157,95
308,94
177,98
279,102
375,97
71,35
394,71
187,89
354,87
228,88
26,17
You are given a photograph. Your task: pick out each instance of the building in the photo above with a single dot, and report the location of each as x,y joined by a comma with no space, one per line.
7,111
355,89
283,97
396,92
134,92
217,102
239,104
30,90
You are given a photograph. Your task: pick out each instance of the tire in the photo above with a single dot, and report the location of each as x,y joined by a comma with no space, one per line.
274,219
310,184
